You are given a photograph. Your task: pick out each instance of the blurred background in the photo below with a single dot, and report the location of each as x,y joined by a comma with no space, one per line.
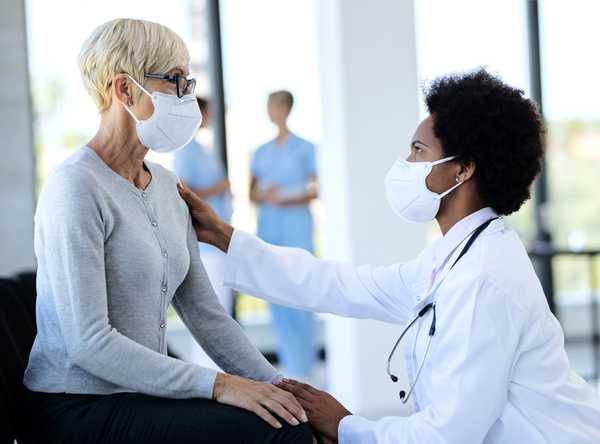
355,69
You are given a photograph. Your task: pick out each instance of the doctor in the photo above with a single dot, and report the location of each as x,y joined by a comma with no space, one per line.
486,361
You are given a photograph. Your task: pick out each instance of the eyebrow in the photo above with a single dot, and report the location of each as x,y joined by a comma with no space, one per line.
178,71
414,142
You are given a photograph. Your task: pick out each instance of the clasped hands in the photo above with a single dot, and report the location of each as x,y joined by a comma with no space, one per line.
323,411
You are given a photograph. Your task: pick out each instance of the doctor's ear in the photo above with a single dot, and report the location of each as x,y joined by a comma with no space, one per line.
466,170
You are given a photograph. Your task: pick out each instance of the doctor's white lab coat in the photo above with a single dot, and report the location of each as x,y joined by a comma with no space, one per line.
496,371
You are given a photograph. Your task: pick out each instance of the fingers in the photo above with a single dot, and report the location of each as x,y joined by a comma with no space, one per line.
304,386
280,410
293,405
183,189
185,192
265,415
259,397
279,402
282,403
299,389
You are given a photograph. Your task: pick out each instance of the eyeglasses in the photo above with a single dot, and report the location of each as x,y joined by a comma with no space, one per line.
182,83
394,378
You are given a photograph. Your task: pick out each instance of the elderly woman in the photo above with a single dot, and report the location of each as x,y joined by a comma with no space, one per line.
115,247
485,355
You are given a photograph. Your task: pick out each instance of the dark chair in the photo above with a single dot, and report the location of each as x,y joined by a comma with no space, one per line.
17,332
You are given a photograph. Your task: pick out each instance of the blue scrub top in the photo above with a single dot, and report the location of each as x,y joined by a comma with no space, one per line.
287,166
200,169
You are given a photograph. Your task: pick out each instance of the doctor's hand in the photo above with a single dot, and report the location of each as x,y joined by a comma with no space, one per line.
258,397
210,229
323,410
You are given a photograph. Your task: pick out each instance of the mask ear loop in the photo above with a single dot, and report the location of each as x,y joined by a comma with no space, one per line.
437,162
143,89
440,196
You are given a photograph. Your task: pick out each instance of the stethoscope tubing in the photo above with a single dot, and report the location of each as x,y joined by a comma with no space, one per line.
394,378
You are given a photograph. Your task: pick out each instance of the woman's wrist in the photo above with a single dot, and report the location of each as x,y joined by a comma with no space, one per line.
219,384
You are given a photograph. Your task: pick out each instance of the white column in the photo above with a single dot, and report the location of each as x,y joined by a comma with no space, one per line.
17,177
369,94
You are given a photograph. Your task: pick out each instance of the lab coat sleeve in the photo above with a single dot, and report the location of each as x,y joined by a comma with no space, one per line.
471,367
295,278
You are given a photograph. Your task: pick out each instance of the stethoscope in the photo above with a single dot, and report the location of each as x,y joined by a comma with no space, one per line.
394,378
422,313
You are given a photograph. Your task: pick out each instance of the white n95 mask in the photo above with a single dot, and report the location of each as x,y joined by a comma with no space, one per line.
407,191
172,125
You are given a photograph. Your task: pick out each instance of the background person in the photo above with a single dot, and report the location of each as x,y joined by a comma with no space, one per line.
115,247
204,173
485,356
283,183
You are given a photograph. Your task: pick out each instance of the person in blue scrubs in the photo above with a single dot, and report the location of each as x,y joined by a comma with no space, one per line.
283,183
204,173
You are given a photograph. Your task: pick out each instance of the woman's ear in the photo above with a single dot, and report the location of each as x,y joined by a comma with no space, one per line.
122,89
466,171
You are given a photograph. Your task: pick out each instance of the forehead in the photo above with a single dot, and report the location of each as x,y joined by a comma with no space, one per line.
425,135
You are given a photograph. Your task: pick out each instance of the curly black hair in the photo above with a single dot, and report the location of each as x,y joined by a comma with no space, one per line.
482,119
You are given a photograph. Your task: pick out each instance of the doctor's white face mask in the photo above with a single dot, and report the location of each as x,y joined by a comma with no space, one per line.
407,191
172,125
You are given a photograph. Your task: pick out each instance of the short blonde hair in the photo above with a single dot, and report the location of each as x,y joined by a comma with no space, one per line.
134,47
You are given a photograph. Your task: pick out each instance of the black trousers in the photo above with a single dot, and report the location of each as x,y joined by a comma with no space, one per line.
134,418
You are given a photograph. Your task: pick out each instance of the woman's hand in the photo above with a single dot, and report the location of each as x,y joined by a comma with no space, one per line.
323,410
258,397
210,229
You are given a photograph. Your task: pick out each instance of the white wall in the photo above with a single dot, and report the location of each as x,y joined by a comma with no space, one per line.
17,177
369,92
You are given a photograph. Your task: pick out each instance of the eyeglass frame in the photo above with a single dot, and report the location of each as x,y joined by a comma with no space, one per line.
189,84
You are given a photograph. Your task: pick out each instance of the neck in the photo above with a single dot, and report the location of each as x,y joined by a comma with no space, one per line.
283,132
457,205
117,145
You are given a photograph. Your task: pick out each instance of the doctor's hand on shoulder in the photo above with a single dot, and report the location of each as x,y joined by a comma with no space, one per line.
210,229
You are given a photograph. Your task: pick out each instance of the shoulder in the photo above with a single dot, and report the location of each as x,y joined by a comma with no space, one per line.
75,192
80,173
263,148
303,143
498,264
261,154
